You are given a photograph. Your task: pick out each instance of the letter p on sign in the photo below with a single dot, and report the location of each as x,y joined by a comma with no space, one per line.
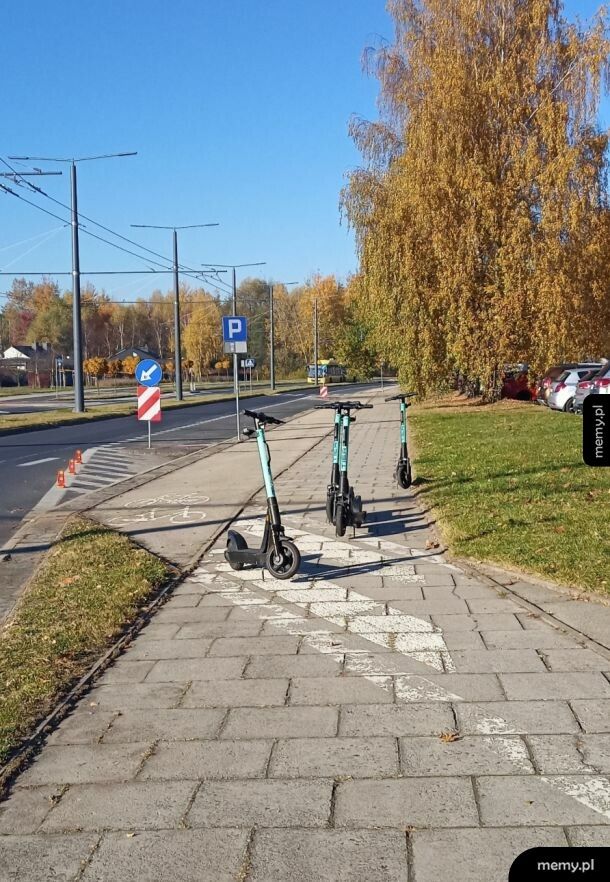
234,329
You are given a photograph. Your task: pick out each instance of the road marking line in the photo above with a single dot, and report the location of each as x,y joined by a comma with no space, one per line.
33,462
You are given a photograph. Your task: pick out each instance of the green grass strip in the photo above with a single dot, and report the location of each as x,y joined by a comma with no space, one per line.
89,587
508,485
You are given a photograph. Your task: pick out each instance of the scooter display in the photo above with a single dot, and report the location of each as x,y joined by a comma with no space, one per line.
277,553
403,466
341,500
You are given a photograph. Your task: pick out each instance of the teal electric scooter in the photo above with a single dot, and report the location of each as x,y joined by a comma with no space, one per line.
341,499
333,486
277,553
403,466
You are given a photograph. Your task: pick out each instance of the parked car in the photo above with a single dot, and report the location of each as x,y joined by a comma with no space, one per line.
543,388
584,387
516,384
601,381
563,390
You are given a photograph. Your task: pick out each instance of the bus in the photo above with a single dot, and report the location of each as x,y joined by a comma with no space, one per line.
329,371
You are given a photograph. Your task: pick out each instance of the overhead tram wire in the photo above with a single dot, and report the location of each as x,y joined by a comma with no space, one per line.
186,270
200,278
32,238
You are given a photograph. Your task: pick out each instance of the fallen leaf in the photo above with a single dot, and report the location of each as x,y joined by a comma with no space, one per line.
450,735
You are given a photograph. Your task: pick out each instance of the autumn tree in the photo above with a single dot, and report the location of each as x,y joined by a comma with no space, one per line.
95,368
481,214
202,335
129,365
329,295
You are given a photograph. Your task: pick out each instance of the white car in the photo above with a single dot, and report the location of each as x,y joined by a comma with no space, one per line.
563,389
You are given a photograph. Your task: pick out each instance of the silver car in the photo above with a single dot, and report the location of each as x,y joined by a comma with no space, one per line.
563,389
584,388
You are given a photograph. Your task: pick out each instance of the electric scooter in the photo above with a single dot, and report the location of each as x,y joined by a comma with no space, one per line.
277,552
403,466
347,505
333,487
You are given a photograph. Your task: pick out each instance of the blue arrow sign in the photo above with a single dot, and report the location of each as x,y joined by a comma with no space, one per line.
148,372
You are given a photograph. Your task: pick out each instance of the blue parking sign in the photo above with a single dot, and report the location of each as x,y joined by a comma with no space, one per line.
234,329
235,333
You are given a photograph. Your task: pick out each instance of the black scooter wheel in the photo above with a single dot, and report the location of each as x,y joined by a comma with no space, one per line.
330,508
403,476
233,544
340,520
284,565
358,516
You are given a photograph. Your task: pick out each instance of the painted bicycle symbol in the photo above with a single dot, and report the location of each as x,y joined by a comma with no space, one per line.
156,510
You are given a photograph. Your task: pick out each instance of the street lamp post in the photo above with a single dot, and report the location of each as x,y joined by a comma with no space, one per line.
78,381
176,273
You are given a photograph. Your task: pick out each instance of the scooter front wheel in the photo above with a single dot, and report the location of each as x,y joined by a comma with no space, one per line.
284,565
330,507
340,519
403,475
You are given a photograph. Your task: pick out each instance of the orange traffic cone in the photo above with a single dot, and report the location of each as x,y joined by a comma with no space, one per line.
78,457
72,467
61,478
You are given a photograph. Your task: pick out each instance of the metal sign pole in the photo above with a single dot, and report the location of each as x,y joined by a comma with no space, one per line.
235,363
149,434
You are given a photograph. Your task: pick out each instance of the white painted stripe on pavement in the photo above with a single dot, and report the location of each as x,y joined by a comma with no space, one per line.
591,791
33,462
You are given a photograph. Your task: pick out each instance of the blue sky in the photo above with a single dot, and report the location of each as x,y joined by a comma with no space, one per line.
238,109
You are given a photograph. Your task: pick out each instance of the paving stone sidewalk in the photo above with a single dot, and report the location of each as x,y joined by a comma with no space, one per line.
383,717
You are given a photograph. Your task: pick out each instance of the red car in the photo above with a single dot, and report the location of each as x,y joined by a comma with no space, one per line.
516,385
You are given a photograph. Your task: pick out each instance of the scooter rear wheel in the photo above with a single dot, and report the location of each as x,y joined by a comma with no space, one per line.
284,565
235,542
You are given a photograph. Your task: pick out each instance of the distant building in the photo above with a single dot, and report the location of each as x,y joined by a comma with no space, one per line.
25,354
35,365
133,352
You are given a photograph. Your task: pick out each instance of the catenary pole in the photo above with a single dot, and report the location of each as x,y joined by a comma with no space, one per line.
79,393
315,338
78,383
271,341
177,334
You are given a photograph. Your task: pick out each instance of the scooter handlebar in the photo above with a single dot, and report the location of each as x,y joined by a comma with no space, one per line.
263,418
342,405
402,396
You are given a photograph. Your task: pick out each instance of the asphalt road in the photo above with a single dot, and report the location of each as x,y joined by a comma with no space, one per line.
41,403
29,461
